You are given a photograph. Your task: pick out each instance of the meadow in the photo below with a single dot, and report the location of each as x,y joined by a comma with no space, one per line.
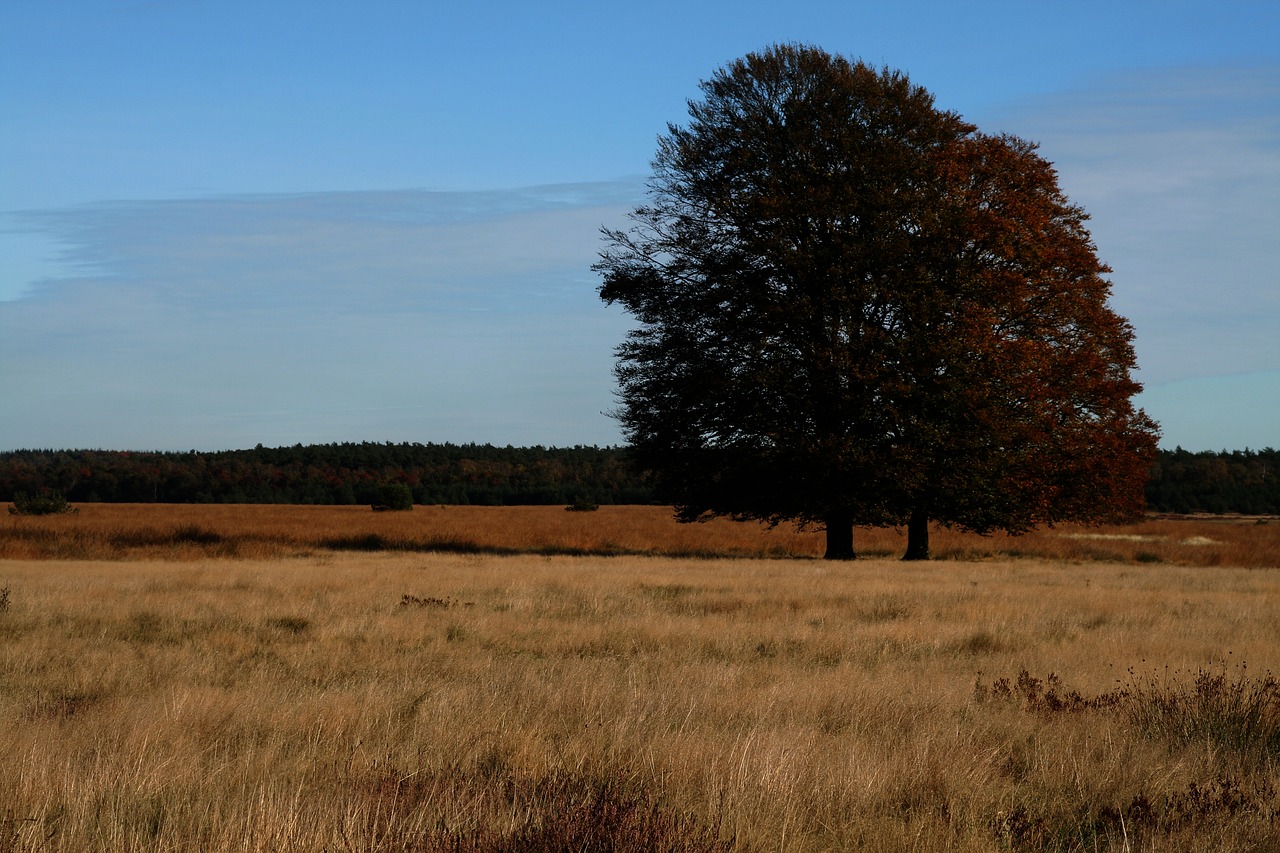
238,678
245,531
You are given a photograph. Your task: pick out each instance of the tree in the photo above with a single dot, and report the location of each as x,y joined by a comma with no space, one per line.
854,308
45,502
393,496
1016,406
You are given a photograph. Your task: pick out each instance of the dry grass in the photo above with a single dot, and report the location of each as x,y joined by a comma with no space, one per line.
480,702
186,532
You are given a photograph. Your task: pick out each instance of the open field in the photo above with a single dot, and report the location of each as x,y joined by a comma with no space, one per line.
246,531
331,698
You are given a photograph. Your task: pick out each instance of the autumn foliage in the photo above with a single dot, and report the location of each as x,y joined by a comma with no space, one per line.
854,308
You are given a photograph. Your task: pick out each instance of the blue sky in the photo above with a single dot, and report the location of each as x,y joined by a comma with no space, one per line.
229,223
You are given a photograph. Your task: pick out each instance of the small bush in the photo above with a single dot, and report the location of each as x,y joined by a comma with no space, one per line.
1241,713
1049,696
393,497
4,598
44,502
582,506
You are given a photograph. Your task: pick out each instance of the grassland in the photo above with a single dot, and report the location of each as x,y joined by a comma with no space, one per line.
284,679
246,531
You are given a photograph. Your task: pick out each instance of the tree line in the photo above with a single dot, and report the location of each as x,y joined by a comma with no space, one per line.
1243,481
346,473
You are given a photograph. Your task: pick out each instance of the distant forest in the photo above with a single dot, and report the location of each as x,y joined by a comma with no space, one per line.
1245,481
330,474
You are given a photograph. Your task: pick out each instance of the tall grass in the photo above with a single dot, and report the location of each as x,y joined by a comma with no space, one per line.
151,531
477,702
1232,710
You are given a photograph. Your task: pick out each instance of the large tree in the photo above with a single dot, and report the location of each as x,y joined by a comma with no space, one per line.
1014,406
855,309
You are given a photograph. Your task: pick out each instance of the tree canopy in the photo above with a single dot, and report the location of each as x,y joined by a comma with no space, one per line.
1240,481
855,308
346,473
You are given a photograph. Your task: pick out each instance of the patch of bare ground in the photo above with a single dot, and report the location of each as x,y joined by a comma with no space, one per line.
407,701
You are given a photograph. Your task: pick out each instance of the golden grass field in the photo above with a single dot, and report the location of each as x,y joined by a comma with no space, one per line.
236,678
191,531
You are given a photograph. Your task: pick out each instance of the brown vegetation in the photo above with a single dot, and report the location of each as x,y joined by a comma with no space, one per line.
189,531
340,698
462,702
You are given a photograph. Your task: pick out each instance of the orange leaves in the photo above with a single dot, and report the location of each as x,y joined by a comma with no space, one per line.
938,334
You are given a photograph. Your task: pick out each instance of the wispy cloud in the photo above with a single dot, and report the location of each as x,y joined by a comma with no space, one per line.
1180,170
472,316
319,317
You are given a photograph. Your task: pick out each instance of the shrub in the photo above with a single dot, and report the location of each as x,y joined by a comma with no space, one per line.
582,505
1049,696
394,496
1242,713
44,502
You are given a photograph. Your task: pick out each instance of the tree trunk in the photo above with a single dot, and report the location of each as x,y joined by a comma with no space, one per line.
839,536
917,536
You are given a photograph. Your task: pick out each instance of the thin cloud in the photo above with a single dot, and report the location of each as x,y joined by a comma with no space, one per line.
468,316
1180,170
408,315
